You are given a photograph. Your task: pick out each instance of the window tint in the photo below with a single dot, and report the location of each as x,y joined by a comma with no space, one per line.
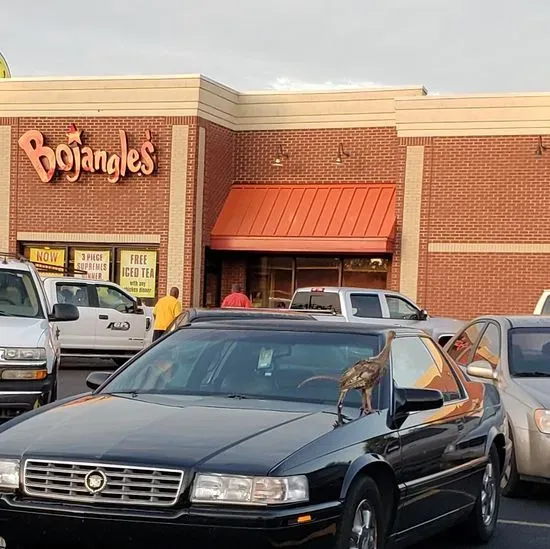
414,366
329,301
489,347
529,352
399,308
546,307
366,305
111,298
74,294
462,349
452,387
287,365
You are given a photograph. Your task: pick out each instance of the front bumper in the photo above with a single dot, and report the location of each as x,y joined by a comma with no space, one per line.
17,397
33,524
532,449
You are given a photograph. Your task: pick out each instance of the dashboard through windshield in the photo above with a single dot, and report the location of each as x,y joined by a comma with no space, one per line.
269,364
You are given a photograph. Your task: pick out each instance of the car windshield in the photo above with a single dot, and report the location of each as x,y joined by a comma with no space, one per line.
281,365
18,295
529,352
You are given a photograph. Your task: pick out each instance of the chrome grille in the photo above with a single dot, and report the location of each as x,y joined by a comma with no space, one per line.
125,484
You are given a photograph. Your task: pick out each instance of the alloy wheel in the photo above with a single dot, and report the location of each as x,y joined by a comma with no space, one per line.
364,531
488,495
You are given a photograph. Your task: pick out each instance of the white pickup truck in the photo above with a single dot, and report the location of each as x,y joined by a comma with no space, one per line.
375,307
112,324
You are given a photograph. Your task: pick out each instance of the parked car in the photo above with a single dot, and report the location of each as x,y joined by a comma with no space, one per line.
513,352
222,434
196,314
29,348
375,307
543,304
113,324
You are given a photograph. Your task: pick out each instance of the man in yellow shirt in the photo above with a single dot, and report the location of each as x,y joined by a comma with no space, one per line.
165,311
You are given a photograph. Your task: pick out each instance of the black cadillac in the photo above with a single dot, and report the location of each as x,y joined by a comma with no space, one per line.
226,435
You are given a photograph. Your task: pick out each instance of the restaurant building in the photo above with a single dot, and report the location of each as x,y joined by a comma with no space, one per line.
155,182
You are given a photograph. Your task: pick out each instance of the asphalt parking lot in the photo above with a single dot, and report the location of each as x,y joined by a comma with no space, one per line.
523,523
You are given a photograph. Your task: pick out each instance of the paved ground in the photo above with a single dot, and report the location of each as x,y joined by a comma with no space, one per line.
524,524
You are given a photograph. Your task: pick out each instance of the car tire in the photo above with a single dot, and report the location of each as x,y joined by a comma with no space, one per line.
363,517
512,486
482,521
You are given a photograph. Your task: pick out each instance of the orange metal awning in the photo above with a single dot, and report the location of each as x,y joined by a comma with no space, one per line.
345,218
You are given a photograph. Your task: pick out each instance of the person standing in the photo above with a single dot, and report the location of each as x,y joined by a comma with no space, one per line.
236,298
165,311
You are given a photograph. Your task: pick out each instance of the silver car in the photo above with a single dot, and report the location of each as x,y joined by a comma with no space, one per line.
514,353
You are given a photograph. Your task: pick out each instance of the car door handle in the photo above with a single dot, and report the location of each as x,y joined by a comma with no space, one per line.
103,317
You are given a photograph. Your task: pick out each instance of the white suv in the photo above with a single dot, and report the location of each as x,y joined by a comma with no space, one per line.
29,347
113,324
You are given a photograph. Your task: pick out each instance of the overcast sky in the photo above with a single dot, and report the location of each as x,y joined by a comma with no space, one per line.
449,46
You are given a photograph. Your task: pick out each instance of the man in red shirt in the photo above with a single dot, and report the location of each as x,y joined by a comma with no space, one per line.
236,298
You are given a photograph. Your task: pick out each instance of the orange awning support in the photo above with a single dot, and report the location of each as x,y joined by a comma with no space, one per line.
344,218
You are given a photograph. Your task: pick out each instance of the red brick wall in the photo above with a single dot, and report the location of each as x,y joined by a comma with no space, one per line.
93,204
484,190
312,155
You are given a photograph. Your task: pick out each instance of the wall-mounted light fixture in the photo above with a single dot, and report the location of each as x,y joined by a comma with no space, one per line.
278,160
341,154
540,147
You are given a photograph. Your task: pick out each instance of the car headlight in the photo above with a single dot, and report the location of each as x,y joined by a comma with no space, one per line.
29,353
236,489
9,474
542,420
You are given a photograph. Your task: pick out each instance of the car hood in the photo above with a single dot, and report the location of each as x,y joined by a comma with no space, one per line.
176,431
22,332
537,388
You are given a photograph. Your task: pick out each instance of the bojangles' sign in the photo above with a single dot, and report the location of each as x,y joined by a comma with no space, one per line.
74,158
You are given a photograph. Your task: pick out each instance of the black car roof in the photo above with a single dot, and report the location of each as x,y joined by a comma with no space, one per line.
307,326
196,314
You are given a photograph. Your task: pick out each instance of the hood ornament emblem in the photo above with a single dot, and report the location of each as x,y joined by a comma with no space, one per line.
95,481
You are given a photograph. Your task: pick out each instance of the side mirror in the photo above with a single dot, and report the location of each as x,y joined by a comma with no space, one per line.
96,379
423,314
482,369
139,302
415,400
64,312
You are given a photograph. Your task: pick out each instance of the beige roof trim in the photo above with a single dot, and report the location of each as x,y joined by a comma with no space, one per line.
196,95
89,238
488,248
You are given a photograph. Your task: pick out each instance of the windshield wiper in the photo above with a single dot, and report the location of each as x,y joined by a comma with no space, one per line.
237,396
3,313
533,374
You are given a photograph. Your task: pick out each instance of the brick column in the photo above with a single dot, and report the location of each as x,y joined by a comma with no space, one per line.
177,209
410,232
5,175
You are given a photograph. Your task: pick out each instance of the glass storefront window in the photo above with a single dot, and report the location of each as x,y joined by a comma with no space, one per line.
271,282
273,279
317,271
365,272
135,269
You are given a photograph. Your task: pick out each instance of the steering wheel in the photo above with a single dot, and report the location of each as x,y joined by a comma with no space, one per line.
316,378
6,300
